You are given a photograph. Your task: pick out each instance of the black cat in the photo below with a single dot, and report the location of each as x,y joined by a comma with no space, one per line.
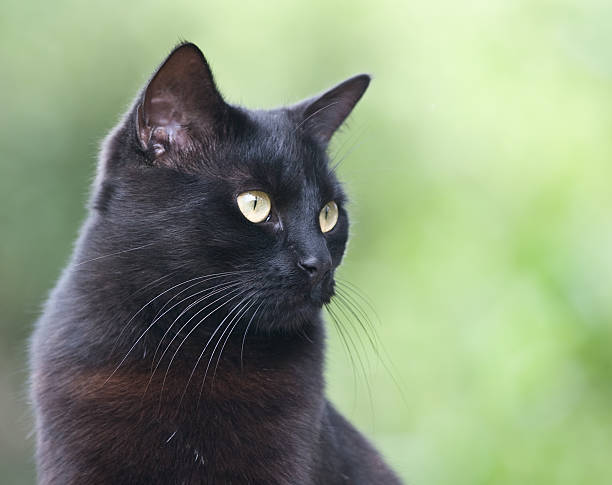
184,342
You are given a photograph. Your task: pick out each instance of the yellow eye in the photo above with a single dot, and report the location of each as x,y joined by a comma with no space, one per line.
254,205
328,216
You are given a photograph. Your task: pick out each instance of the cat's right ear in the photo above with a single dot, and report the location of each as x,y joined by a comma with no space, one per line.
180,103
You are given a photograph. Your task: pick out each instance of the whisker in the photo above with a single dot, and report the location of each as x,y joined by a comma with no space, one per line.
338,151
364,373
346,302
207,278
239,312
132,295
349,327
373,337
246,331
114,254
207,343
314,114
347,144
242,312
358,141
338,327
211,291
178,332
381,352
133,346
149,303
358,336
187,336
152,283
360,294
177,295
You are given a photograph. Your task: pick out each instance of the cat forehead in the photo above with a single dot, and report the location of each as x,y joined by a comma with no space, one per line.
276,132
272,146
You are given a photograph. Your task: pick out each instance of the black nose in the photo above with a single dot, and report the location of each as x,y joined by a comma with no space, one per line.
315,267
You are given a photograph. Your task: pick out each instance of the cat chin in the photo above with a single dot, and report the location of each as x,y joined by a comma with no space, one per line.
313,300
321,295
289,316
298,319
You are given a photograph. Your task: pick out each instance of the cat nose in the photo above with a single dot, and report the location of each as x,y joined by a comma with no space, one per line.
316,267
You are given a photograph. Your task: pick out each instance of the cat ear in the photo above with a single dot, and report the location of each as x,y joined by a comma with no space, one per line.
322,115
180,100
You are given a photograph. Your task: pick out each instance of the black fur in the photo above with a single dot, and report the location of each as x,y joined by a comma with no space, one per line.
125,388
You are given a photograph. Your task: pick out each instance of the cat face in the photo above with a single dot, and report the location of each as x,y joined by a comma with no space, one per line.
221,190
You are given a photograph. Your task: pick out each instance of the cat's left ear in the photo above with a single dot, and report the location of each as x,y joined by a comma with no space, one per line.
181,102
322,115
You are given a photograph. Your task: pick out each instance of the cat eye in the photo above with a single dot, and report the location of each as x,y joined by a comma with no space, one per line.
254,205
328,216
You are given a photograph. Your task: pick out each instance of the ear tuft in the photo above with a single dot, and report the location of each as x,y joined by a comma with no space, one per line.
322,115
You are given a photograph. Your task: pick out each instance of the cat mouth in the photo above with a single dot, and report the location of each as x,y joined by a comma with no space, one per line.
304,300
297,299
322,292
318,294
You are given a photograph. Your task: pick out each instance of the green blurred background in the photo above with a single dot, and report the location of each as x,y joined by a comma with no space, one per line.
479,165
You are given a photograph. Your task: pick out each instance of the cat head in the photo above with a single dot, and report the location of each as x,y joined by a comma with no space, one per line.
214,189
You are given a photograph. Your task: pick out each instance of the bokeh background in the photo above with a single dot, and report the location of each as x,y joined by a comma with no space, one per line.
479,165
